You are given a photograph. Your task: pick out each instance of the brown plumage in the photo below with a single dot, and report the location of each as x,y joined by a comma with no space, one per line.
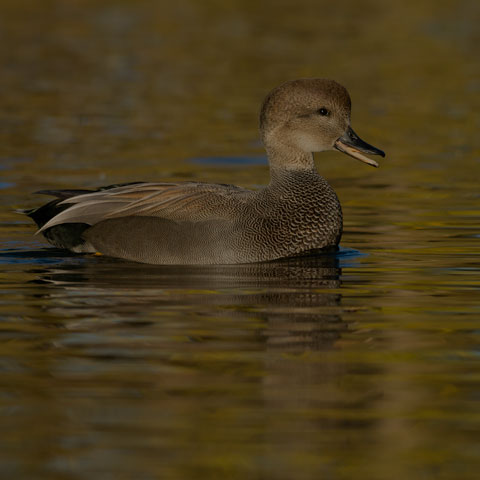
199,223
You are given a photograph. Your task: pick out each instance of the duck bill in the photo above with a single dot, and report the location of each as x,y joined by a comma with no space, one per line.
351,144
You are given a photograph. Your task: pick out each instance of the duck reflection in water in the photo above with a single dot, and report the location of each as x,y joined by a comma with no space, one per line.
290,298
253,339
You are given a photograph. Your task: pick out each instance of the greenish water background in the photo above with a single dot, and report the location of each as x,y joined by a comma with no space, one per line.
360,365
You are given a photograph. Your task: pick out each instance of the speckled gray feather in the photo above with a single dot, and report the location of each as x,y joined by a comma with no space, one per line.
292,217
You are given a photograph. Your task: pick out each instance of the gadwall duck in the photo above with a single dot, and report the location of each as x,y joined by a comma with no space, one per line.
297,213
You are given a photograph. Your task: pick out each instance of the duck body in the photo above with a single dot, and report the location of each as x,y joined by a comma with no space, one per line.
294,215
198,223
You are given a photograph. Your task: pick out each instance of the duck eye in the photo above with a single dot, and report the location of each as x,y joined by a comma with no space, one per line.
323,111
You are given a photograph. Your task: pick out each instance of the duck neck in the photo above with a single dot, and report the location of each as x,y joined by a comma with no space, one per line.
286,163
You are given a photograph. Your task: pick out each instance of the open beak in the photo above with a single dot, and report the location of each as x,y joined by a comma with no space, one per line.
351,144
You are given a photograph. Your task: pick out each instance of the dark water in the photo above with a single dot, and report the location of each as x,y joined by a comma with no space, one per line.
362,365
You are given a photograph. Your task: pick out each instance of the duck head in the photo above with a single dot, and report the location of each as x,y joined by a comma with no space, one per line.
311,115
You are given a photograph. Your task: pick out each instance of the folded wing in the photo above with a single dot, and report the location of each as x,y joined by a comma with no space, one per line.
189,201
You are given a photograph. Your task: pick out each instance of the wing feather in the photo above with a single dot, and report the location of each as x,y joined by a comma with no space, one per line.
174,201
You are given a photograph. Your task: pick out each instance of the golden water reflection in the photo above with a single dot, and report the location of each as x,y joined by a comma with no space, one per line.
360,365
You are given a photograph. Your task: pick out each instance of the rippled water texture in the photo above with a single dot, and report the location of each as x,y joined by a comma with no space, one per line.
361,365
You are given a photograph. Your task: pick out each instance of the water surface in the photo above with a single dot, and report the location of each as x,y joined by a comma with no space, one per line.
363,364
